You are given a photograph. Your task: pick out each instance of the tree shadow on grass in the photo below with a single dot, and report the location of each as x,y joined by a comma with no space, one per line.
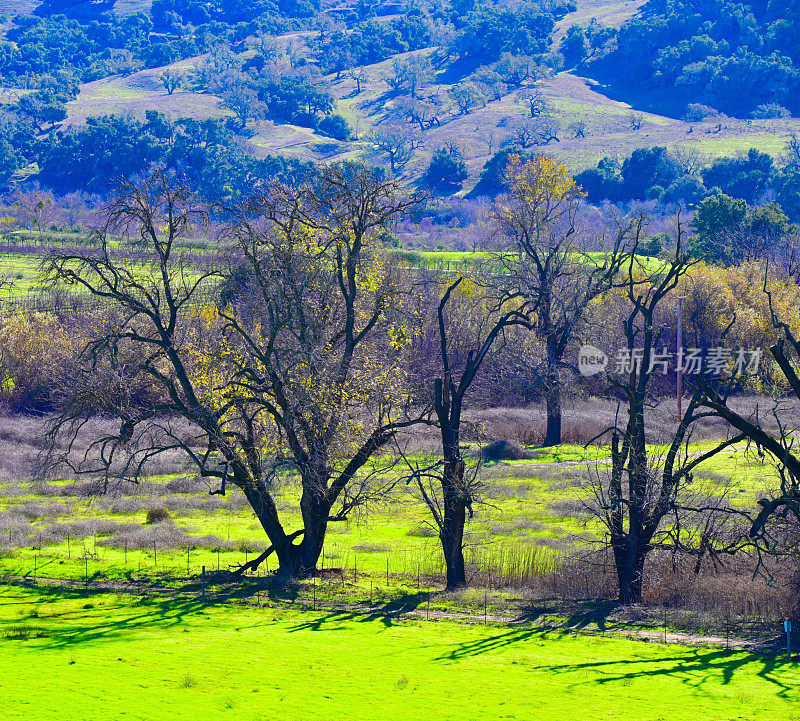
583,615
696,666
110,619
388,613
223,586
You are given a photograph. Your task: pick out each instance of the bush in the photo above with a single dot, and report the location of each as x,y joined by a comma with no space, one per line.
697,112
157,515
505,451
771,110
494,170
334,126
423,531
653,245
447,168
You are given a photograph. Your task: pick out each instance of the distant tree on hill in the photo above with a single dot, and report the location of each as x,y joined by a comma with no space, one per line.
747,176
409,75
334,126
574,46
397,142
578,129
536,102
244,103
172,80
489,83
527,132
466,96
360,77
635,121
514,70
486,32
42,106
425,113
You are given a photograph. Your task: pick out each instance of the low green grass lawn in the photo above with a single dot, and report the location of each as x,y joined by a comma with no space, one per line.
106,657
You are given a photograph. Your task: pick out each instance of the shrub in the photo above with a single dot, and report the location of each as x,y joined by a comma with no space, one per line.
447,168
157,515
422,531
505,451
697,112
334,126
653,245
771,110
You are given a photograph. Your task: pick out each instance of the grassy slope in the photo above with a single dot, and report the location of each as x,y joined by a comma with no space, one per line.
138,93
113,659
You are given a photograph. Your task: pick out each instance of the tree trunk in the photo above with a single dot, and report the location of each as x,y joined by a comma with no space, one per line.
552,395
295,559
452,531
629,558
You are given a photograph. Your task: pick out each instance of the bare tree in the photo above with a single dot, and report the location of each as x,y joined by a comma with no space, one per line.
640,489
397,142
793,150
635,121
578,129
515,70
527,132
299,370
359,76
489,83
779,441
426,113
538,215
547,131
466,96
489,135
35,210
535,101
464,344
409,75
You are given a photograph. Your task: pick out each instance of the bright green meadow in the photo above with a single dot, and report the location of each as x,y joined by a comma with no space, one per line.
109,657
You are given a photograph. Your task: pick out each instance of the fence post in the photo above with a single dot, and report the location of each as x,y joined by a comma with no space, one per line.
204,584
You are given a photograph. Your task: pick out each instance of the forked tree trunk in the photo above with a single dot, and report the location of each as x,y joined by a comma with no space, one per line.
296,558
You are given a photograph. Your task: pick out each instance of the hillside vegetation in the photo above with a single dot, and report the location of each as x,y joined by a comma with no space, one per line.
394,89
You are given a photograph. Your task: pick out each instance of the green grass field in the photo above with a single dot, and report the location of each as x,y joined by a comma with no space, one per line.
532,513
75,657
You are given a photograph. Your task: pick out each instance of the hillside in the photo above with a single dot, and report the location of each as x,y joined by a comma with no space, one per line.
478,100
570,99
